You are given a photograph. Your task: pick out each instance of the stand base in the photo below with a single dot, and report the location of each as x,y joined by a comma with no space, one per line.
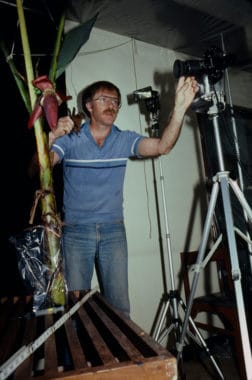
222,181
172,300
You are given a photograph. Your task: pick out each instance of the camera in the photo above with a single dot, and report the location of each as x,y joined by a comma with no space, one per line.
213,64
143,93
150,97
151,100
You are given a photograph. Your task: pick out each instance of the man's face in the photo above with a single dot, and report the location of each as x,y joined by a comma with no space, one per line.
104,106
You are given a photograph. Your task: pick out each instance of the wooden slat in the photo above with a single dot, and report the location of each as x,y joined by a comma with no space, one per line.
78,356
101,347
51,362
137,334
160,368
6,305
13,329
24,371
133,353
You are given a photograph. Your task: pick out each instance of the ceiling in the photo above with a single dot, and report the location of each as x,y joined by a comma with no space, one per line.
187,26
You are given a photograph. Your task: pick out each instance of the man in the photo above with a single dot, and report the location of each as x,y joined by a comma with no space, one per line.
94,164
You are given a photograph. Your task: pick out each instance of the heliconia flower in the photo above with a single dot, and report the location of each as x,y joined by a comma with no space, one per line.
48,102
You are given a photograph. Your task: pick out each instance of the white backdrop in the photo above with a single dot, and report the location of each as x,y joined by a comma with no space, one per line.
132,65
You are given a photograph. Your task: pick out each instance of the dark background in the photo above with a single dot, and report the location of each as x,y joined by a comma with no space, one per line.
17,141
231,122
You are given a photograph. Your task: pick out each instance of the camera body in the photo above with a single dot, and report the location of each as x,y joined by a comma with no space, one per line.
149,96
213,64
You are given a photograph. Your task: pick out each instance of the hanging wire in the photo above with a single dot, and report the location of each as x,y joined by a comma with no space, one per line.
133,47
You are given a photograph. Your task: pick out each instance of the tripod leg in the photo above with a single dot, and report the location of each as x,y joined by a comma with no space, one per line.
201,340
247,215
236,272
204,345
202,249
160,322
170,300
241,199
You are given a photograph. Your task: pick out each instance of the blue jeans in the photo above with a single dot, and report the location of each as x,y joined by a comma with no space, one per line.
102,246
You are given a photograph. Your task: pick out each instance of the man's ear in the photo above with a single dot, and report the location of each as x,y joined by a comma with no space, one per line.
89,106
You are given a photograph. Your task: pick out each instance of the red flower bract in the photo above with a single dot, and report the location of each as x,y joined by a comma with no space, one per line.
48,102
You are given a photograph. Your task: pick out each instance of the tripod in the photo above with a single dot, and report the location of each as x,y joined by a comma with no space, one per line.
223,182
171,300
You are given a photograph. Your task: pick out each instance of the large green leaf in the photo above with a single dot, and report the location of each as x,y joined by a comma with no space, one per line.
72,43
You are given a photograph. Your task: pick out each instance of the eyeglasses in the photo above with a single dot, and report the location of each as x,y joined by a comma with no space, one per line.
106,100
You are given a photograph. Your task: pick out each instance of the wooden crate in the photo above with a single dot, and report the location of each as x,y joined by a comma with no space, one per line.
96,342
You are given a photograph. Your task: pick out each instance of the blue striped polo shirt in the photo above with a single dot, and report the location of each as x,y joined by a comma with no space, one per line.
93,175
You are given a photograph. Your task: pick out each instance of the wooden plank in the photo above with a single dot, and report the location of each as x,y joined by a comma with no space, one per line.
138,336
152,369
119,336
99,344
6,305
51,362
10,340
24,371
78,356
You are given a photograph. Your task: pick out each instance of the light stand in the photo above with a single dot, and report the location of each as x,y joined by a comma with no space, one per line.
222,182
170,300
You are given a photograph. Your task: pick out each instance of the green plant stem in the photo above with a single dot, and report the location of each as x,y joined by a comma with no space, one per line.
53,67
48,202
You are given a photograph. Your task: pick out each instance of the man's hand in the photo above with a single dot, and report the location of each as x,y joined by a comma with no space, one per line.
65,126
185,93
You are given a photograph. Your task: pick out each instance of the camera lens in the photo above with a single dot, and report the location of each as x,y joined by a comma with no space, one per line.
178,68
191,67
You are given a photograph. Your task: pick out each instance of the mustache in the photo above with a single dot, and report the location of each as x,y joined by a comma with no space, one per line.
109,111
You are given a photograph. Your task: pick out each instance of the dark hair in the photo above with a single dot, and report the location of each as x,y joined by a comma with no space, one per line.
89,92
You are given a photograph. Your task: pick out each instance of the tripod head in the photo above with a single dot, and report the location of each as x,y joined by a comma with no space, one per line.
210,98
